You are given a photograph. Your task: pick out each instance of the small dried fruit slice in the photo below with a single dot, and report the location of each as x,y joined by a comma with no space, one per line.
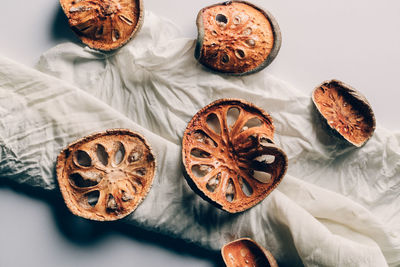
104,24
106,175
345,110
246,252
229,156
236,37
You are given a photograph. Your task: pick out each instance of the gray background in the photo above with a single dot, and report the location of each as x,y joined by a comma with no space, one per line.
355,41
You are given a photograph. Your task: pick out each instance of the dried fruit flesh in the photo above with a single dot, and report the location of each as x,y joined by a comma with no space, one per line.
105,176
345,110
229,156
104,24
246,252
236,37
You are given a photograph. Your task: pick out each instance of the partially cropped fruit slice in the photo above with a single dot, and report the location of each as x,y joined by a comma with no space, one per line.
246,252
229,156
345,110
236,37
104,24
106,175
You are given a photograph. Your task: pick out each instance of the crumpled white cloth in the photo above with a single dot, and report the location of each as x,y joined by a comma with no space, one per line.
337,206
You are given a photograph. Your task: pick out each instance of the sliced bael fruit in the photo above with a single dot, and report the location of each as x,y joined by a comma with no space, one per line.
246,252
229,155
236,37
106,175
104,24
346,111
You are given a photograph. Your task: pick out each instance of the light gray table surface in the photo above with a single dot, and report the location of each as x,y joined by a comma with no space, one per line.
355,41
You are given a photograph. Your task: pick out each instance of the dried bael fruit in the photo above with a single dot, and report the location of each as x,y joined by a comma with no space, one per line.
246,252
229,156
105,176
236,37
345,110
104,24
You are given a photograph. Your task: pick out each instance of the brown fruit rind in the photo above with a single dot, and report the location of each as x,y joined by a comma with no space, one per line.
345,111
237,166
105,176
260,52
104,25
246,252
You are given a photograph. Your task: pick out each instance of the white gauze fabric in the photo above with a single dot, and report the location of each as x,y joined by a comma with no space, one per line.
337,206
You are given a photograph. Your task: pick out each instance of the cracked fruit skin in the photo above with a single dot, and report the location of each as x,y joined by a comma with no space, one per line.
346,111
229,156
104,25
246,252
236,38
105,176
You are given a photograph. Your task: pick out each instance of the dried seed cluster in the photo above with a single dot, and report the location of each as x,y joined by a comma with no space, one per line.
345,110
104,24
246,252
236,37
106,175
229,155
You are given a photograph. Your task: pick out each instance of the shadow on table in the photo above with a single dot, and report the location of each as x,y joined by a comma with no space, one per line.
85,233
60,30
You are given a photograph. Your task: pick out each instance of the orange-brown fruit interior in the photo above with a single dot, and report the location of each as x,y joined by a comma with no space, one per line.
245,252
237,37
103,24
343,113
106,176
229,154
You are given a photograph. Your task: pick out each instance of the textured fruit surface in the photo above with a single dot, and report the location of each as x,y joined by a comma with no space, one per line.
106,175
246,252
236,37
345,111
229,155
104,24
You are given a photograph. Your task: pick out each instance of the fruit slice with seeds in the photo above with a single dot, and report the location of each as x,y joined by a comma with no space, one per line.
229,156
104,24
105,176
236,37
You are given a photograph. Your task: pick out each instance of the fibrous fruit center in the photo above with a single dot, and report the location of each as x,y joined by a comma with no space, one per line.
109,7
115,175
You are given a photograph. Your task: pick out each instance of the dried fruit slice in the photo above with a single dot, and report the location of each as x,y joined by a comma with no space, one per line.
345,110
246,252
236,37
106,175
104,24
229,156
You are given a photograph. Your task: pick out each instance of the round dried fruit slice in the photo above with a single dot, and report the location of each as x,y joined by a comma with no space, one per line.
106,175
104,24
236,37
246,252
229,156
345,110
